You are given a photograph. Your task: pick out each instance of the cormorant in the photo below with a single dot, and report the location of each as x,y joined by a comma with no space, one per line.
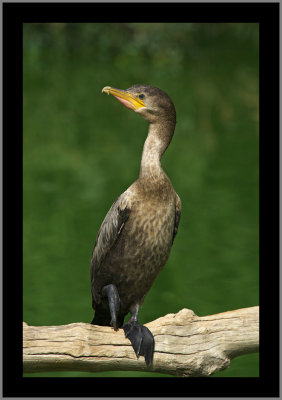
135,238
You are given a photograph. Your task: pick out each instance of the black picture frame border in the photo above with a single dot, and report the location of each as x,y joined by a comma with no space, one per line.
267,16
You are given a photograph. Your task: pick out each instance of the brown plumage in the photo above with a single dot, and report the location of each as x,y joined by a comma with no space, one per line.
135,238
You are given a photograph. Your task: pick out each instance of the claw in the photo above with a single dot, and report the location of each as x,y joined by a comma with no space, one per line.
142,340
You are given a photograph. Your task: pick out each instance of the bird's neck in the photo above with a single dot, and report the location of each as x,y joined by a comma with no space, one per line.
158,139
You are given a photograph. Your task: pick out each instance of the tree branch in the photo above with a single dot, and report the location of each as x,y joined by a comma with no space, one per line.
185,344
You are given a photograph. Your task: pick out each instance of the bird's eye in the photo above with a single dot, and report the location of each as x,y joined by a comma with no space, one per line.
141,96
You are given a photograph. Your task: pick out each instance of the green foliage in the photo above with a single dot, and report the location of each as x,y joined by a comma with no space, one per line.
82,149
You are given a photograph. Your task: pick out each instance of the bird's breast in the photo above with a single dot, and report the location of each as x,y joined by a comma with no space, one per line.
147,236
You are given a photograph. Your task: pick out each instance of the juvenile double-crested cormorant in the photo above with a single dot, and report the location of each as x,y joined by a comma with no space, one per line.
135,238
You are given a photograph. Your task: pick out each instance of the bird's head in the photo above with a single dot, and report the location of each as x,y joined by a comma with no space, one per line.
151,103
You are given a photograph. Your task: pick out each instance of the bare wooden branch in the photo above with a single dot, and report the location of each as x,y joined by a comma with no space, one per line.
185,344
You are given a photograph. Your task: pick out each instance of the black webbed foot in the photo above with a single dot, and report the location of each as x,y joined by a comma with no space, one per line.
110,292
141,339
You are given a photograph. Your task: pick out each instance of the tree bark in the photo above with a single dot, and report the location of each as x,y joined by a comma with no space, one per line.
185,344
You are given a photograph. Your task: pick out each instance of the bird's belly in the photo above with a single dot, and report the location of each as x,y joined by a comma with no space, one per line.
150,238
141,253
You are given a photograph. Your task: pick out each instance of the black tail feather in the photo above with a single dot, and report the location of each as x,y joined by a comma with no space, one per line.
102,317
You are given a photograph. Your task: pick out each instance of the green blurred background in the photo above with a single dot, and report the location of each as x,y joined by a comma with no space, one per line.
82,149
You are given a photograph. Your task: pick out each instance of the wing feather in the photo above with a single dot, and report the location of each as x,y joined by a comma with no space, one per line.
108,235
177,215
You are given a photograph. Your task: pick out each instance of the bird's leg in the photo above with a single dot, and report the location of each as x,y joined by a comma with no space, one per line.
134,313
110,292
140,336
